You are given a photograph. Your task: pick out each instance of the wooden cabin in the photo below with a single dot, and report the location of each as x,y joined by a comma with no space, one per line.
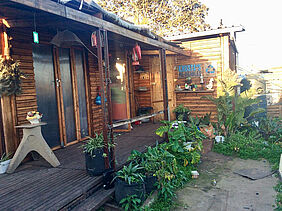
64,79
212,53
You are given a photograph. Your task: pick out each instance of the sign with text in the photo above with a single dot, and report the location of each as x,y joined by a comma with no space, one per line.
195,70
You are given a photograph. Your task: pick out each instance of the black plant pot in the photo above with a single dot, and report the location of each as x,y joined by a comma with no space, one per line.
150,182
95,166
123,189
185,115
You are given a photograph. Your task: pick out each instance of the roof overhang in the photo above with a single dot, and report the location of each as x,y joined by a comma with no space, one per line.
230,30
81,17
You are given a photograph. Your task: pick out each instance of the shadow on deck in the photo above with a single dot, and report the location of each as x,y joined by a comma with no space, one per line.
37,186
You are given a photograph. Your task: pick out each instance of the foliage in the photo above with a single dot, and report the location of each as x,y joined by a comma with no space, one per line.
93,143
131,203
227,83
171,162
166,18
5,157
271,129
231,111
181,109
278,189
10,77
250,146
130,174
201,121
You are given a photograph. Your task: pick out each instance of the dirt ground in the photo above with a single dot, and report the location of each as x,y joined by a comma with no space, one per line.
232,192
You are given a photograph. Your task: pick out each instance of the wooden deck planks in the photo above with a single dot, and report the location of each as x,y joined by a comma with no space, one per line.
37,186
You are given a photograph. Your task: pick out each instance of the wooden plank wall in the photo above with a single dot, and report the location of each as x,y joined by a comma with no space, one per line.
142,98
94,83
274,110
22,50
214,50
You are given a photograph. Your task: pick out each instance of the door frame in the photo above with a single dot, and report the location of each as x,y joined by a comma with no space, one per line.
59,94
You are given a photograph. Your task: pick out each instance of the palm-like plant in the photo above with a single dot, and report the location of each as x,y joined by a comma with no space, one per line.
131,174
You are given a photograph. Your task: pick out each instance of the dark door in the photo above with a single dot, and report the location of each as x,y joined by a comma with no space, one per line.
61,94
46,93
80,78
67,94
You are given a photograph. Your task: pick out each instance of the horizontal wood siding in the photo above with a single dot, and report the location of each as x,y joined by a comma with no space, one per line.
214,50
274,110
143,98
22,50
94,83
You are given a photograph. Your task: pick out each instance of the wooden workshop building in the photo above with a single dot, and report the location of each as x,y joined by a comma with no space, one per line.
83,52
211,53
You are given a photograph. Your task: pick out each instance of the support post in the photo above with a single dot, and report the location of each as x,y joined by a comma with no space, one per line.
164,83
8,104
103,104
109,100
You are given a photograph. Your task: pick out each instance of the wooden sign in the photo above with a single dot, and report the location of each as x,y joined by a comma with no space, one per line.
195,70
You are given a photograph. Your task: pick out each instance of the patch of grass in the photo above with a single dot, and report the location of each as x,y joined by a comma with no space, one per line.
278,189
253,146
250,146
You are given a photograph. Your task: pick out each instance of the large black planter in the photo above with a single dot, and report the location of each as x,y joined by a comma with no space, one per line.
185,115
95,166
150,182
123,189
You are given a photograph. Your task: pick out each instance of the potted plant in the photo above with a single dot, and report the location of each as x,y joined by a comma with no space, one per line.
182,112
94,155
4,163
129,181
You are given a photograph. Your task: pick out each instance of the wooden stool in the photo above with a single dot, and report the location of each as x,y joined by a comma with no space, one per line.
32,141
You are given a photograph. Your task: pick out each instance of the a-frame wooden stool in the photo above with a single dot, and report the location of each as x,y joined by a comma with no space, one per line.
32,141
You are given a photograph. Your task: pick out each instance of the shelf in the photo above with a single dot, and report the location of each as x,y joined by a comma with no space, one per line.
142,90
197,91
141,72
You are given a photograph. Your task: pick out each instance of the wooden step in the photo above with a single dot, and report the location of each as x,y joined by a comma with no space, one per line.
95,201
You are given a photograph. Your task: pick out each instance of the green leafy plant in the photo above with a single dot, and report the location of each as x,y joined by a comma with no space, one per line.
5,157
93,143
131,203
271,129
181,109
278,200
182,112
10,77
231,111
131,174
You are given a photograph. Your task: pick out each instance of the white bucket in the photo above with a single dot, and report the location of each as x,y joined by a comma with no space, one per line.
3,166
219,139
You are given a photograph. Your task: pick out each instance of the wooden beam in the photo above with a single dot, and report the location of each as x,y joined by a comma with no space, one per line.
102,89
155,53
8,105
109,100
67,12
164,83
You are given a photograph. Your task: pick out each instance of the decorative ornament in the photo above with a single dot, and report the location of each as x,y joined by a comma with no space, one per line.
98,99
210,84
94,39
34,117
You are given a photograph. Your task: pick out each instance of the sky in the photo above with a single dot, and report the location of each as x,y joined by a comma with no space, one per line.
260,44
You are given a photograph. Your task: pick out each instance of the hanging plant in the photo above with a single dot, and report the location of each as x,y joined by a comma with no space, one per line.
10,77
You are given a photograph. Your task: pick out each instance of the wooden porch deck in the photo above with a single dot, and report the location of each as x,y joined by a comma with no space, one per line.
37,186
